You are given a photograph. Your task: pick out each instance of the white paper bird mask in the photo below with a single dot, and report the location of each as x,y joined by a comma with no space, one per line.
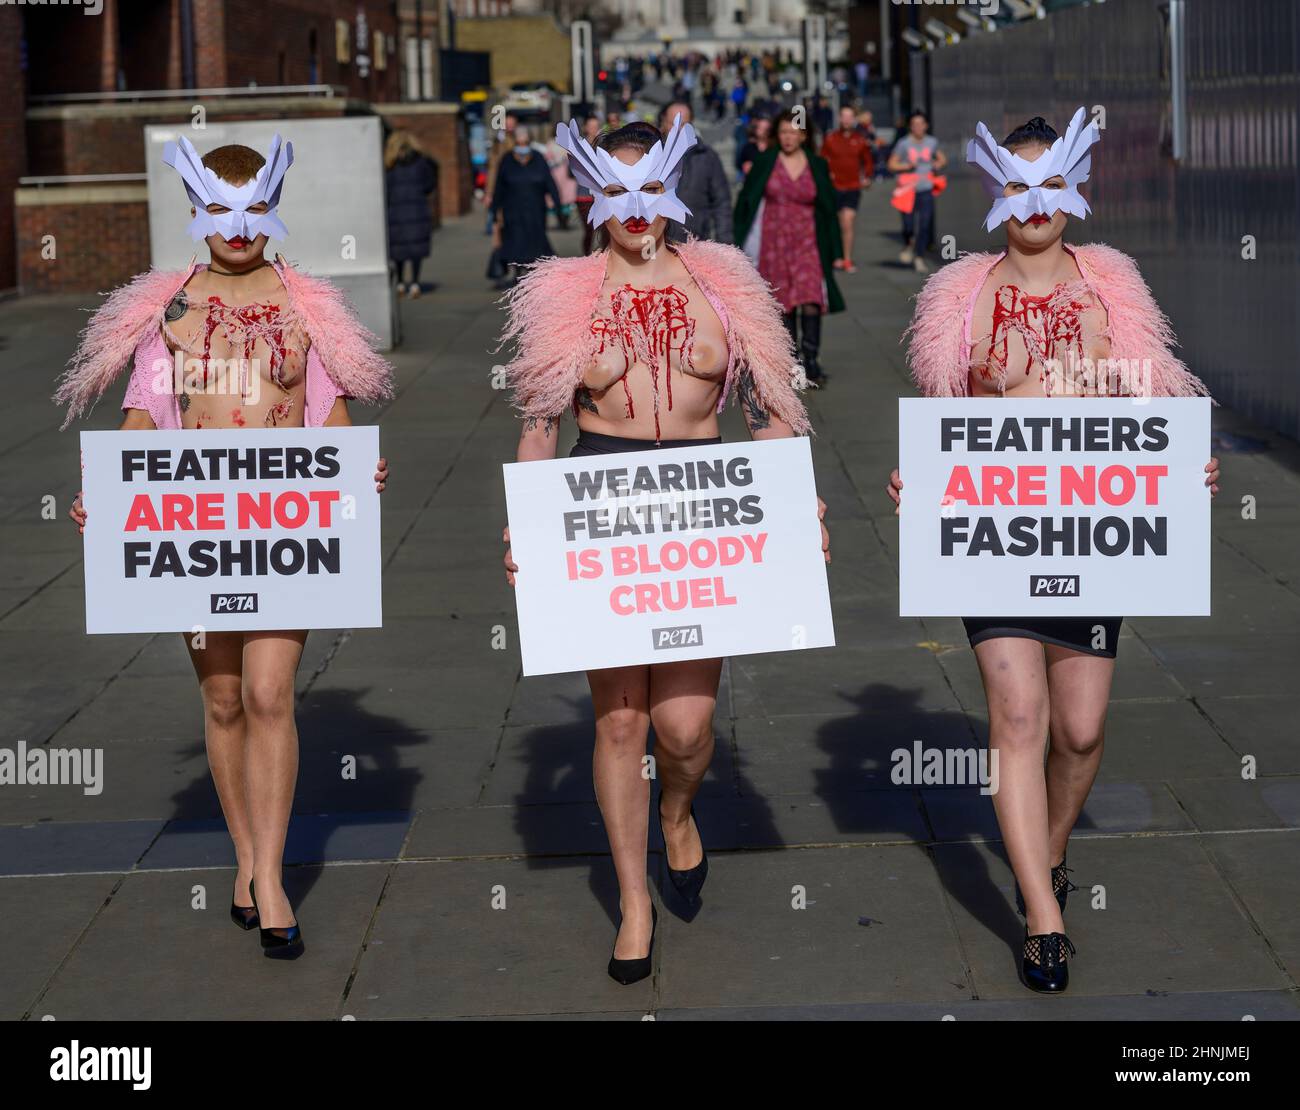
1068,157
597,170
205,187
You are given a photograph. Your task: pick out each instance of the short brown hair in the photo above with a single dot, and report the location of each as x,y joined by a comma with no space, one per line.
234,164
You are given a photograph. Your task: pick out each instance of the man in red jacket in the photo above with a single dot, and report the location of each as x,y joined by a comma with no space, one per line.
852,166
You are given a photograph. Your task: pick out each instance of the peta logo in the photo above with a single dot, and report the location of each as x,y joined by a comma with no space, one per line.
234,603
686,635
1053,585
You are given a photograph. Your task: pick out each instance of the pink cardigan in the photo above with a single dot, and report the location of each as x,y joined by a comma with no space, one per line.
940,332
550,314
341,360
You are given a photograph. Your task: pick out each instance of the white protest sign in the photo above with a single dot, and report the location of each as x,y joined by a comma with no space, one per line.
661,555
231,530
1054,507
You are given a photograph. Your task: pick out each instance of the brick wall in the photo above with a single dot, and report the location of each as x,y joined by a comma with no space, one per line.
109,138
271,43
69,51
439,130
100,236
12,155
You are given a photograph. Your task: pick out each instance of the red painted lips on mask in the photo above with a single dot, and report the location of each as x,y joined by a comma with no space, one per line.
238,243
636,225
1039,218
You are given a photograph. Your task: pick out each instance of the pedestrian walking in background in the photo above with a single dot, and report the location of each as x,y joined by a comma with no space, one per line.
409,177
785,220
523,184
760,138
558,163
591,129
848,154
915,158
703,186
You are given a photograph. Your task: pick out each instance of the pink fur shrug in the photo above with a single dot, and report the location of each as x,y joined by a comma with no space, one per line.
940,332
126,329
551,309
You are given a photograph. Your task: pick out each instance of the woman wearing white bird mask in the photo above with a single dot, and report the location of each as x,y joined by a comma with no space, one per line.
1043,319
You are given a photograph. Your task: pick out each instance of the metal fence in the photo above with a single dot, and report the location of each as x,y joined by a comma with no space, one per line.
1192,223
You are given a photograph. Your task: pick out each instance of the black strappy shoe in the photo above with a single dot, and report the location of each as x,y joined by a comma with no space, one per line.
690,882
628,972
1042,964
1061,887
281,943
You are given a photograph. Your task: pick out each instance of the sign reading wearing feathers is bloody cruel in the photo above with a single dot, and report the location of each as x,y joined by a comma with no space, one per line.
231,530
662,555
1054,507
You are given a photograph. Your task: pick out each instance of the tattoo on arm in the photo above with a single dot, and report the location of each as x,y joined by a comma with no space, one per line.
548,424
585,400
756,416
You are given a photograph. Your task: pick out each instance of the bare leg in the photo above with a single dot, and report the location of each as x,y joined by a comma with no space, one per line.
682,700
270,663
619,697
218,665
1015,684
846,233
1080,691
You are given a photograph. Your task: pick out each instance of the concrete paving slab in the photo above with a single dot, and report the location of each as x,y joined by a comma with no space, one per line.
1262,725
866,908
197,964
439,949
1170,926
53,911
49,848
1198,1006
1234,803
1264,872
401,770
313,838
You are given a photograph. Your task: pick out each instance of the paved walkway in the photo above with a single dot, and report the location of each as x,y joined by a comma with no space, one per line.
475,783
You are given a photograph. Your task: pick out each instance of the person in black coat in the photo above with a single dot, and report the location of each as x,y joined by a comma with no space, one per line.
409,177
703,186
523,183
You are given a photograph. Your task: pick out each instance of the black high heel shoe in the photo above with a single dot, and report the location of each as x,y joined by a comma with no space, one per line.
245,916
1061,887
1042,963
690,882
628,972
282,943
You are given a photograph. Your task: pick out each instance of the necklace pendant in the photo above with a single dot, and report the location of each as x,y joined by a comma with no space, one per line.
184,401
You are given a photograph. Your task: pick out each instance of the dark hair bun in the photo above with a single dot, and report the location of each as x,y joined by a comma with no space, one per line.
1037,130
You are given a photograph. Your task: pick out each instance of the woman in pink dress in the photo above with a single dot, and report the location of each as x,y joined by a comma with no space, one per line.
785,217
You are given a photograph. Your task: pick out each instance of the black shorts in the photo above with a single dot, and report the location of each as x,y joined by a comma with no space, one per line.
593,443
1077,633
847,198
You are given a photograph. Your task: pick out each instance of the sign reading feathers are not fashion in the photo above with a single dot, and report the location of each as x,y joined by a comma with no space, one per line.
663,555
1054,507
231,530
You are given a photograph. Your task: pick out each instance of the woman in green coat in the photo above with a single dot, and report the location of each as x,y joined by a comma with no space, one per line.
785,221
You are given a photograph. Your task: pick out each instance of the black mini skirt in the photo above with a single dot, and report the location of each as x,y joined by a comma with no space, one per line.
593,443
1069,632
